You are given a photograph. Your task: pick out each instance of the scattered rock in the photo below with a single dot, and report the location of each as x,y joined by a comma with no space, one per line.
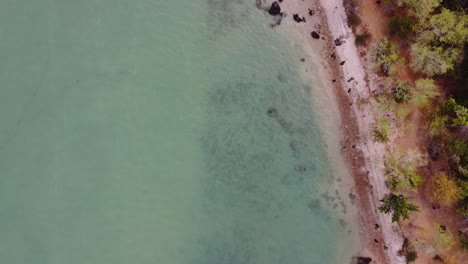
351,79
338,42
311,12
361,260
342,63
298,19
333,80
352,196
275,9
376,241
300,168
349,90
272,112
377,226
333,56
315,35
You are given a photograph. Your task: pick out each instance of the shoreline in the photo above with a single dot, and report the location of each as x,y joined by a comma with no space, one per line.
344,71
381,239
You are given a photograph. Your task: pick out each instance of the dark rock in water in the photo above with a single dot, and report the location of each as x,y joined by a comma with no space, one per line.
272,112
275,9
342,63
302,59
298,19
315,35
300,168
361,260
338,42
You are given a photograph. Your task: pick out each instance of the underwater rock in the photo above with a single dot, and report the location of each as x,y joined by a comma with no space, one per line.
298,19
275,9
315,35
361,260
272,112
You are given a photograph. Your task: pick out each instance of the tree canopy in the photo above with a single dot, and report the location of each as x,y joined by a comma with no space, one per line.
398,205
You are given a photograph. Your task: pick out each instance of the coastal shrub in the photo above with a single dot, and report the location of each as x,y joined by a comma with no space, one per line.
380,131
463,207
401,170
437,125
402,26
398,205
464,242
384,55
401,92
362,39
411,256
443,240
354,20
445,189
425,91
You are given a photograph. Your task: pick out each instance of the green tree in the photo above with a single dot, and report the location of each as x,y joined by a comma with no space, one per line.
398,205
421,8
401,92
433,60
447,28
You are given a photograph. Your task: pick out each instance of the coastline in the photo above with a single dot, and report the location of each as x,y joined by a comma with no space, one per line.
345,71
381,239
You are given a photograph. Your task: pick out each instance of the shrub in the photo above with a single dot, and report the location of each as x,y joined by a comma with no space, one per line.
385,54
401,92
459,113
463,207
464,242
426,90
401,26
445,189
401,170
362,39
443,240
398,205
437,125
411,256
354,20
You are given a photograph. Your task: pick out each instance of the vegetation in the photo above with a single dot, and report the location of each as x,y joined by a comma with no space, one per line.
424,91
398,205
444,239
401,170
385,55
401,92
402,26
445,189
362,39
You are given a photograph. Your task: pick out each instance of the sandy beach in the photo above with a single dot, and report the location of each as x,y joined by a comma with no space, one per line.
346,70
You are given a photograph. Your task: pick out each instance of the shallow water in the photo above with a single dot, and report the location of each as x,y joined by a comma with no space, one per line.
138,132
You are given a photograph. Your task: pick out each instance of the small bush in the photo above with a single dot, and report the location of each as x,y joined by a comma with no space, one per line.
463,207
459,113
385,54
401,170
411,256
402,26
443,240
445,189
401,92
437,125
362,39
464,242
426,90
354,20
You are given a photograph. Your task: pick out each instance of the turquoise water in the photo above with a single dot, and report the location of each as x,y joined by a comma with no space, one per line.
137,132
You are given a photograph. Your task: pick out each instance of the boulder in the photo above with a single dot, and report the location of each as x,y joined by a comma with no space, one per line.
315,35
275,9
338,42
